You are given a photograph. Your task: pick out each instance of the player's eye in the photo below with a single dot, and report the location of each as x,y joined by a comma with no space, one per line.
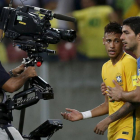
117,41
108,41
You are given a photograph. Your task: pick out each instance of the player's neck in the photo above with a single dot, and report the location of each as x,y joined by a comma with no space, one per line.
137,51
117,58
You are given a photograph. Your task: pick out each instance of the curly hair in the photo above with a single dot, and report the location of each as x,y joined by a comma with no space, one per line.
113,27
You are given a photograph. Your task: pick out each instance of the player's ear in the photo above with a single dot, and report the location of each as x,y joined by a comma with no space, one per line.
138,36
103,40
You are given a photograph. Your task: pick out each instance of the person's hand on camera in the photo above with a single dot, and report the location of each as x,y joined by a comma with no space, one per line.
18,70
30,72
72,115
15,83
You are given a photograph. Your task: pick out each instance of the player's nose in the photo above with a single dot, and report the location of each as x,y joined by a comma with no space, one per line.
112,44
122,37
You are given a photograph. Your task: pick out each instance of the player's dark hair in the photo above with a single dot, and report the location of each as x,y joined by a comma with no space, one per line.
133,23
100,2
113,27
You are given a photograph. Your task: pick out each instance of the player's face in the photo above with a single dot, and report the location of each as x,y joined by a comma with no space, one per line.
113,44
129,38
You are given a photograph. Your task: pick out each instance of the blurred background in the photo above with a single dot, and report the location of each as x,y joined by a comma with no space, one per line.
74,71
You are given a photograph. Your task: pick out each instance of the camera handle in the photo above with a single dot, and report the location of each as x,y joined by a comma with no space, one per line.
22,113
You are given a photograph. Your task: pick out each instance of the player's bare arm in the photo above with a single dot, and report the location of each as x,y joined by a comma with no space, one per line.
16,83
118,94
102,126
75,115
18,70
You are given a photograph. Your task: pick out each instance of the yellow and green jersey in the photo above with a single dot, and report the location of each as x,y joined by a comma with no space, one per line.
137,78
91,22
123,72
129,8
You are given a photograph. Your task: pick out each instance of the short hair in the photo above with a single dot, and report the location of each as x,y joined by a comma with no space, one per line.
100,2
133,23
113,27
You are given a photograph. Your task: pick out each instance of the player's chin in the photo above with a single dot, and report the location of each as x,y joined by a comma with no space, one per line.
127,48
112,55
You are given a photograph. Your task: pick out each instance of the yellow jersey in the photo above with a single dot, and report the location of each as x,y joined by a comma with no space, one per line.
137,82
132,11
123,72
91,22
129,8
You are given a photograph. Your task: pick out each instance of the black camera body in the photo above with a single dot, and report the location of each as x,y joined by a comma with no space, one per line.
30,29
23,23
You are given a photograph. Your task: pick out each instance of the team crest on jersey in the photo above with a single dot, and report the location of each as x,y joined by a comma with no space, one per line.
138,71
119,79
138,81
134,80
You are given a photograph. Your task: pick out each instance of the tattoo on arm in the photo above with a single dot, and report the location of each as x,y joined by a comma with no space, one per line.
123,111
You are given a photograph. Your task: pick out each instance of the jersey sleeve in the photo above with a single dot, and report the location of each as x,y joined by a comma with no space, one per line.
103,69
130,68
4,76
138,72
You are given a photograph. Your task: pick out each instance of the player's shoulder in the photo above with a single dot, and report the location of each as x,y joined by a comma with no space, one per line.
107,63
127,58
129,62
138,60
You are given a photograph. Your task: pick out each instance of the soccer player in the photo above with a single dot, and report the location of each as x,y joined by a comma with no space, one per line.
131,41
116,68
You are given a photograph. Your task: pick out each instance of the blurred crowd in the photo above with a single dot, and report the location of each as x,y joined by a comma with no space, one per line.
91,17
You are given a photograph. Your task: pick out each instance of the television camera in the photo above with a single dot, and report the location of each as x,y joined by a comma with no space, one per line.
30,29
